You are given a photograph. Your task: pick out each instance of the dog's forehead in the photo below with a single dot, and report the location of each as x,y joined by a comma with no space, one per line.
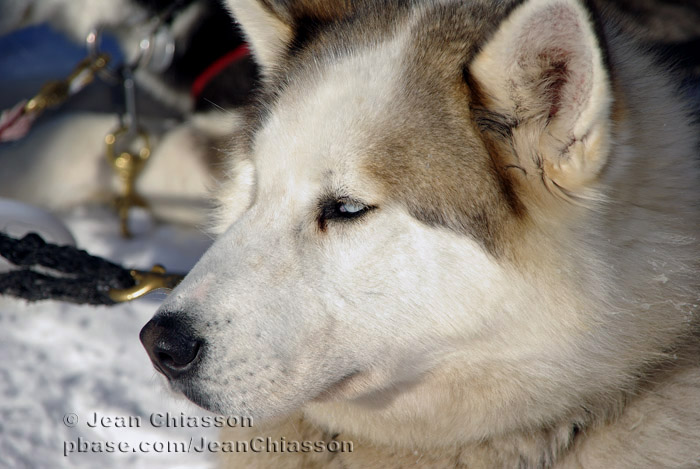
326,121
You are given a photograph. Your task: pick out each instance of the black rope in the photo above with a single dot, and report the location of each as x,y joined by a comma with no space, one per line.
64,273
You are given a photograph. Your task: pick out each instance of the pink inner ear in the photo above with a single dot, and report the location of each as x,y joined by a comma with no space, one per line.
554,76
556,58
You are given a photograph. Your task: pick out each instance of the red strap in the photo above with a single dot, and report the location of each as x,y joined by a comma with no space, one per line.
217,67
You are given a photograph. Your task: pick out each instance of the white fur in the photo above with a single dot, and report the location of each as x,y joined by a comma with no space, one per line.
63,164
268,36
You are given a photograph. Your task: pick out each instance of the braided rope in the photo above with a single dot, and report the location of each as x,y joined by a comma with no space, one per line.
65,273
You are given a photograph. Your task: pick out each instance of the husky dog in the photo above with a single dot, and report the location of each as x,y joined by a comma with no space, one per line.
180,105
455,233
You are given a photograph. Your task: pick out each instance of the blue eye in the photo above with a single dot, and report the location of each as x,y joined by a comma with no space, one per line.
351,207
340,209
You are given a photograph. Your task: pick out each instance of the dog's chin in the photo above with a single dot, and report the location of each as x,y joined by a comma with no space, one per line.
195,395
346,388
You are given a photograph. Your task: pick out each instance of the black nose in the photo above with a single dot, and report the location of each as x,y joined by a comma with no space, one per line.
171,344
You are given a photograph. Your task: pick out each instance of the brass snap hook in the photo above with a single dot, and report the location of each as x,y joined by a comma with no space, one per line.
146,282
128,165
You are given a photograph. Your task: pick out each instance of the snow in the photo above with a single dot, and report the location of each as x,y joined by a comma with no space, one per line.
59,359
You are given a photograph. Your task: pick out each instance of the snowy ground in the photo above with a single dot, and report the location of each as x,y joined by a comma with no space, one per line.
60,359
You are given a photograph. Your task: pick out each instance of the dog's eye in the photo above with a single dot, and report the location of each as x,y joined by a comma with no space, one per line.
351,208
345,208
341,209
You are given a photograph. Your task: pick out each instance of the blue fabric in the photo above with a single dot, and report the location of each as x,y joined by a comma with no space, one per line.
40,52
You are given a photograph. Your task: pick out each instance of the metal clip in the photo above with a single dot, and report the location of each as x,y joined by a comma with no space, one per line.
54,93
146,282
128,166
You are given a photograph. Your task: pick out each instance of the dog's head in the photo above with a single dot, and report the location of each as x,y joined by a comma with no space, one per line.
404,221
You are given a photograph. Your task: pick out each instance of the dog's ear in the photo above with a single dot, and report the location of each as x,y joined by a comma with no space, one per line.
543,72
267,32
273,27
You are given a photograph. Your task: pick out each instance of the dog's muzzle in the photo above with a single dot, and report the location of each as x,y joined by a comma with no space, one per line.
171,345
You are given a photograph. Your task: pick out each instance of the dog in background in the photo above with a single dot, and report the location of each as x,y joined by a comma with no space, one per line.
189,108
